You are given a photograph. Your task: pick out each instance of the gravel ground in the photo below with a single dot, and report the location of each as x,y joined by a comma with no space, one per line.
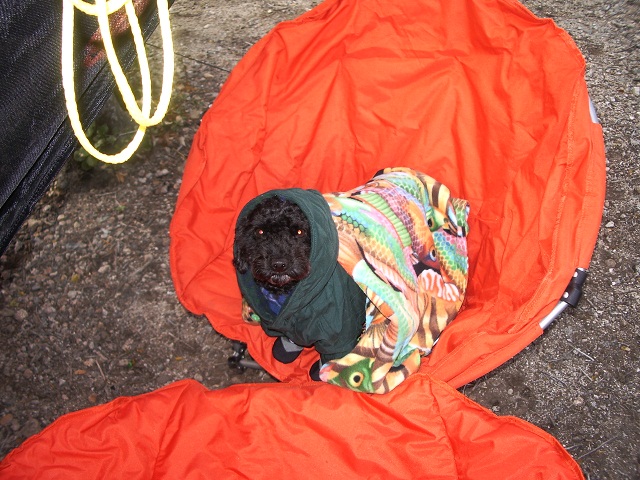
87,306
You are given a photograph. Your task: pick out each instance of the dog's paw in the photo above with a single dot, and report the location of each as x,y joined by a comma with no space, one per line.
285,351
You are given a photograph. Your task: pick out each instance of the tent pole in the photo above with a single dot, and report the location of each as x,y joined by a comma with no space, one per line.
570,297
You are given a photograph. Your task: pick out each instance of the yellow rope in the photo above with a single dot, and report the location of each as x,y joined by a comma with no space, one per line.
102,9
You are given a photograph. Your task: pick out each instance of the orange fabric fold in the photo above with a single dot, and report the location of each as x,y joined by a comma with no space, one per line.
425,429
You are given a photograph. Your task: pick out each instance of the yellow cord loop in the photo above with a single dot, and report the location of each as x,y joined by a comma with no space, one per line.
102,9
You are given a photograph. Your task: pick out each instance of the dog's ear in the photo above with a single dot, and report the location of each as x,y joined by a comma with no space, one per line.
240,252
240,265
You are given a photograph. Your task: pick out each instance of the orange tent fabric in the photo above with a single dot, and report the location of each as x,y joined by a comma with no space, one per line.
425,431
479,94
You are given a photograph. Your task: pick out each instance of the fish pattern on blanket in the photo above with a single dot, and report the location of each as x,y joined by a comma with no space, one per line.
403,240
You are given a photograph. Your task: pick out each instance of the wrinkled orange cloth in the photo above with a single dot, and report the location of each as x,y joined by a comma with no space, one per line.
481,94
426,430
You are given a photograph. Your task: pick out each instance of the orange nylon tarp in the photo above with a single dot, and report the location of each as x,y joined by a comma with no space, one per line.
425,431
479,94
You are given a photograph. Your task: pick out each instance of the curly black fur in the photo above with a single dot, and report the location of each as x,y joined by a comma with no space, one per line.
274,241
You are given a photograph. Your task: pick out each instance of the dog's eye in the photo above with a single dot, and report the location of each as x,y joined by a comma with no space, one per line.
299,232
260,231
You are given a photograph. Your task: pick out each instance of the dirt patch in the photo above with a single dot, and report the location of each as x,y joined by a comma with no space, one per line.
87,306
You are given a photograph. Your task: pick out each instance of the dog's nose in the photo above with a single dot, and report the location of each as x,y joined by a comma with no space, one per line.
279,266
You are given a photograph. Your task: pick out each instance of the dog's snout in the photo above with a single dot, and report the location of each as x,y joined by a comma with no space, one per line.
279,266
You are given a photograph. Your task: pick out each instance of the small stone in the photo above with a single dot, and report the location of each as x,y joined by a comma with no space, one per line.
510,391
93,398
104,268
610,224
636,91
6,419
21,315
128,345
198,378
164,378
578,401
28,373
30,428
15,425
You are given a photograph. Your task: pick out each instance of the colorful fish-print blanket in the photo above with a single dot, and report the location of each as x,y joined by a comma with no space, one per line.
403,240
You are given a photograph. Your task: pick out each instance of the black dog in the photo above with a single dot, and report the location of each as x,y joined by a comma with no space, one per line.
292,287
274,242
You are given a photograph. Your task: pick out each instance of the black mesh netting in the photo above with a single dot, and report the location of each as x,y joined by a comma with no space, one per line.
35,135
